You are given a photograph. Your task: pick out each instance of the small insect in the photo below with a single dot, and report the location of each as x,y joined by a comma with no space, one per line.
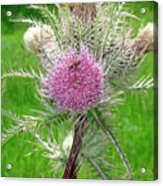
75,63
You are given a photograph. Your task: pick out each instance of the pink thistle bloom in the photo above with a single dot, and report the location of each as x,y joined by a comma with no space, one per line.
76,82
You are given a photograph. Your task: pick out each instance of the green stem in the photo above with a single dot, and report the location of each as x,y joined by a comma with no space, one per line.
110,135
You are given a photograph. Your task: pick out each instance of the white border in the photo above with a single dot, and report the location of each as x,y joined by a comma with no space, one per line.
4,2
54,182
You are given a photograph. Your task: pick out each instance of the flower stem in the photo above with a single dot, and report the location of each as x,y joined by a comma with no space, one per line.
72,167
116,145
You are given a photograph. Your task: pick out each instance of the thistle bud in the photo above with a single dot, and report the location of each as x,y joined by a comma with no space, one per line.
37,36
145,37
67,143
84,11
23,130
144,41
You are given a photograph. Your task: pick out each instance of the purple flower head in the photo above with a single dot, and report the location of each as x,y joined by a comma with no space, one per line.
76,82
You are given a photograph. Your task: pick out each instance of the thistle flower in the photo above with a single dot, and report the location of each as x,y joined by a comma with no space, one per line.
76,83
37,36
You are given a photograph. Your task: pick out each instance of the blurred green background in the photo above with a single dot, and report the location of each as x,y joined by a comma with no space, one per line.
134,119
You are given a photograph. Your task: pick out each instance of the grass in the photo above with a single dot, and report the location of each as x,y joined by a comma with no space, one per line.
134,119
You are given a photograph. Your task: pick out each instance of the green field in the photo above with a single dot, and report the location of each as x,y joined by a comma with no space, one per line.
135,118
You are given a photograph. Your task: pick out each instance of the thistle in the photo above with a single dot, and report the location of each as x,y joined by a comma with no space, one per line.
76,82
37,36
143,42
87,63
